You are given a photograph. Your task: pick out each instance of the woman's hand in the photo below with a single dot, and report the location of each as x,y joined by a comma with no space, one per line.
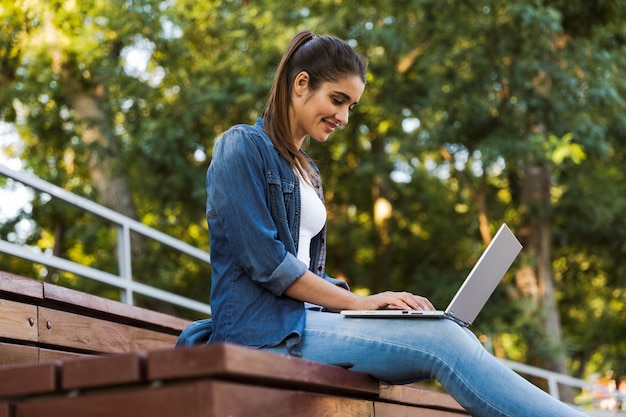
390,300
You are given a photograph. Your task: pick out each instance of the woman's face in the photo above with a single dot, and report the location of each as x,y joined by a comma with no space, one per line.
318,113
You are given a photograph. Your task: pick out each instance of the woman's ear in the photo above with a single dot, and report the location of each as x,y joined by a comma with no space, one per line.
301,83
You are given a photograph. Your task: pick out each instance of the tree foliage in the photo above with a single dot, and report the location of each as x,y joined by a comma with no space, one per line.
474,114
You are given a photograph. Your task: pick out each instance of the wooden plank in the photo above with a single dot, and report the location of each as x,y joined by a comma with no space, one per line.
5,409
61,328
424,397
251,401
28,380
399,410
240,363
51,355
173,401
197,399
102,371
20,286
11,354
101,306
19,320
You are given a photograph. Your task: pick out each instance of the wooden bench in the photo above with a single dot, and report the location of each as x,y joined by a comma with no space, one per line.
207,381
41,322
64,354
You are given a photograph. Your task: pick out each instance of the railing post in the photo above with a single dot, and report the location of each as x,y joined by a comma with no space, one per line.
553,387
125,264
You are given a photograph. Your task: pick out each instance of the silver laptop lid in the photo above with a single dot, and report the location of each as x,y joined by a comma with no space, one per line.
484,277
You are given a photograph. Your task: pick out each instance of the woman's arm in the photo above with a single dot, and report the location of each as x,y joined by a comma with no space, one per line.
311,288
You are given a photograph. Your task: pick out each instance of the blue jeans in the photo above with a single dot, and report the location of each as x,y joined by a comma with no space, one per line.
405,350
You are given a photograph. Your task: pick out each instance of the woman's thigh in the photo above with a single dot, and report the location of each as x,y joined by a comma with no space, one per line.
394,350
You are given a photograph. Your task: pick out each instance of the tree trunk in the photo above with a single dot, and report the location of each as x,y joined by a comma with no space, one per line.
108,177
535,280
383,223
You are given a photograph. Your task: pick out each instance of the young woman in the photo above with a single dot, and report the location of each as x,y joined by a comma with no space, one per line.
267,228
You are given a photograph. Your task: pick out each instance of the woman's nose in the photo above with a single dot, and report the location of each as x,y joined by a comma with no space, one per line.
342,116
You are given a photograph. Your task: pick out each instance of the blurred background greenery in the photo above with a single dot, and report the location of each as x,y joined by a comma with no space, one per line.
475,113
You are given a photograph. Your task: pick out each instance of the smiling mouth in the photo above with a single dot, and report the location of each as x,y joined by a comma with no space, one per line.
330,125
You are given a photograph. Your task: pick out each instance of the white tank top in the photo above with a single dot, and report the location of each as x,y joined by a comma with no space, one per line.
312,219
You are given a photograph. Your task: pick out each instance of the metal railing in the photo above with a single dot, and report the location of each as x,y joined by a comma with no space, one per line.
125,225
125,282
552,378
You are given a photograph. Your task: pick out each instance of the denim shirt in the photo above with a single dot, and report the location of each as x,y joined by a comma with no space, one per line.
253,212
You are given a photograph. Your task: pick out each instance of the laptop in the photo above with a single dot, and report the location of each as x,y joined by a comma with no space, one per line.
476,289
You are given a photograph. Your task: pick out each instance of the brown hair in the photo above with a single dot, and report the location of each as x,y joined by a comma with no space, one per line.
325,59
